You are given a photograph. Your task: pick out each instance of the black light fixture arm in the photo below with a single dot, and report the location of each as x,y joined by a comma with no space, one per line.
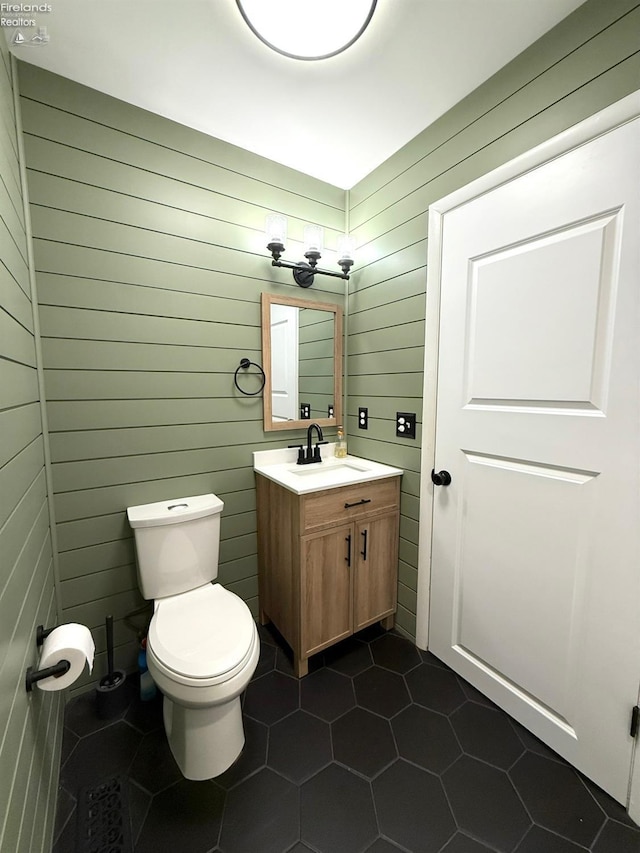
304,271
309,269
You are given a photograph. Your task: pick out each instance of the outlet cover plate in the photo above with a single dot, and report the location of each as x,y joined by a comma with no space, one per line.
406,424
363,418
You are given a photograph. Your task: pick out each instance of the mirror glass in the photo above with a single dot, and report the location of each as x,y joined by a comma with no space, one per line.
302,360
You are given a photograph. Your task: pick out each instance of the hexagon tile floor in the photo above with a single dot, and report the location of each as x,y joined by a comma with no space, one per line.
381,748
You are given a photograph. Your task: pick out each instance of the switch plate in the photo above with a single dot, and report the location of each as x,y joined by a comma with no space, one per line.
305,411
363,418
406,424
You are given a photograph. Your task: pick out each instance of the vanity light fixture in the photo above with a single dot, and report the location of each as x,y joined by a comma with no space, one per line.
305,271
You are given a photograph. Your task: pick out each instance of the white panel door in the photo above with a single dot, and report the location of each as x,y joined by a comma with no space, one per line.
284,363
535,584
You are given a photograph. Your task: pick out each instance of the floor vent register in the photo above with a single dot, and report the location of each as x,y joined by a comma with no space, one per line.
103,818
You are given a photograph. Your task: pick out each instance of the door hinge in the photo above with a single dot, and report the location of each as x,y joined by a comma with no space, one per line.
635,721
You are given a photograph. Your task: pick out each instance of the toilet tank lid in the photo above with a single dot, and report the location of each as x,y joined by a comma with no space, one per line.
174,511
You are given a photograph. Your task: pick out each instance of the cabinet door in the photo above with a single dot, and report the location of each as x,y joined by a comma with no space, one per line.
326,588
376,569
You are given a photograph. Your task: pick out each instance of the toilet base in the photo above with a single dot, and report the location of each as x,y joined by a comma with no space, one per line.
204,741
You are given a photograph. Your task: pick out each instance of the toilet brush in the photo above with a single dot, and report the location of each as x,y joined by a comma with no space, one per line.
111,695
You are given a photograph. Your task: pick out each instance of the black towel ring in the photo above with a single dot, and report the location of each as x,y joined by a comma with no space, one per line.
244,364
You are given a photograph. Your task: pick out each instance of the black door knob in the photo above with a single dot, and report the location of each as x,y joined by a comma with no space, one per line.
442,478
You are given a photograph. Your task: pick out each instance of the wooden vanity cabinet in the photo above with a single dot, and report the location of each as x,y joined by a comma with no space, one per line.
328,562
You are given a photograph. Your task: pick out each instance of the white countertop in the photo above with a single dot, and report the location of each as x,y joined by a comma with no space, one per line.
332,473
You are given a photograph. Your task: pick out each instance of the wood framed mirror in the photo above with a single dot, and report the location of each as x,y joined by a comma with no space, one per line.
302,360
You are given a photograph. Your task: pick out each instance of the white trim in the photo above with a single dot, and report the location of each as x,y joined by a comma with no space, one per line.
619,113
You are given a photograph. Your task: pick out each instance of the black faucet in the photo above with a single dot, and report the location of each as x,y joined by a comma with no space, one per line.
312,453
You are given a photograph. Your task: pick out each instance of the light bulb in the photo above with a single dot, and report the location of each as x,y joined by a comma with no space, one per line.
276,229
313,239
345,248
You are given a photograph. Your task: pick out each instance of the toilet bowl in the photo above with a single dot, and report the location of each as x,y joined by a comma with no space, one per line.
203,644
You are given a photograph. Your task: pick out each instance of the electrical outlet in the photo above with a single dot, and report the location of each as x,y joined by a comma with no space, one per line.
406,424
363,418
329,411
305,411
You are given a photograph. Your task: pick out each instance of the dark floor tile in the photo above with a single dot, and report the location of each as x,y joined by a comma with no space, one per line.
272,697
284,662
372,632
327,694
387,749
435,688
146,716
261,814
65,807
186,810
270,635
363,741
154,768
66,841
533,744
461,843
395,653
428,657
100,755
139,803
557,799
349,657
615,836
412,808
69,742
425,738
475,695
299,746
477,793
252,757
381,691
609,806
487,734
336,812
538,840
266,661
382,846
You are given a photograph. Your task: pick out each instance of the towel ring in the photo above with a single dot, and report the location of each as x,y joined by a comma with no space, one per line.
244,364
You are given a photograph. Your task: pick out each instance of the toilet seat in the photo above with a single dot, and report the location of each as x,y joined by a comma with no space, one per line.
202,637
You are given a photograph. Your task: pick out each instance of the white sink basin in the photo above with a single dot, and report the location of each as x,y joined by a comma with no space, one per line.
326,469
280,466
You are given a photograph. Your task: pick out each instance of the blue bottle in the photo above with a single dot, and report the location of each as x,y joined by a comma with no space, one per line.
147,684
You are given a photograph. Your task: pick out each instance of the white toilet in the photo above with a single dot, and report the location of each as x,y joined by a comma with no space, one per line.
203,645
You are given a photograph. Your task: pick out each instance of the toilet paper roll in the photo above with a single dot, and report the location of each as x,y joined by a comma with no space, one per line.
72,642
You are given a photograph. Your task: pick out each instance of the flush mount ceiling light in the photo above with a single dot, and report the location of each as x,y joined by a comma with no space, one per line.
303,272
307,29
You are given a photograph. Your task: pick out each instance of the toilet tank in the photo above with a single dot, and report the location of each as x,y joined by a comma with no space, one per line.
177,544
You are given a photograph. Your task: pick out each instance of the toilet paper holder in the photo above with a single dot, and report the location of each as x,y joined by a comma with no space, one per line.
58,669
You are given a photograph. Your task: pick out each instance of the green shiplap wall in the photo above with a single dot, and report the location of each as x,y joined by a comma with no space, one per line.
150,262
587,62
30,724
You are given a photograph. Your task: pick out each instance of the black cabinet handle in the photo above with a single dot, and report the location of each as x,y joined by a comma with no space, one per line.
364,544
347,559
443,478
358,503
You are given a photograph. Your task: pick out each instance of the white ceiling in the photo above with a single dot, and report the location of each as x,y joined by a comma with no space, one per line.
198,63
